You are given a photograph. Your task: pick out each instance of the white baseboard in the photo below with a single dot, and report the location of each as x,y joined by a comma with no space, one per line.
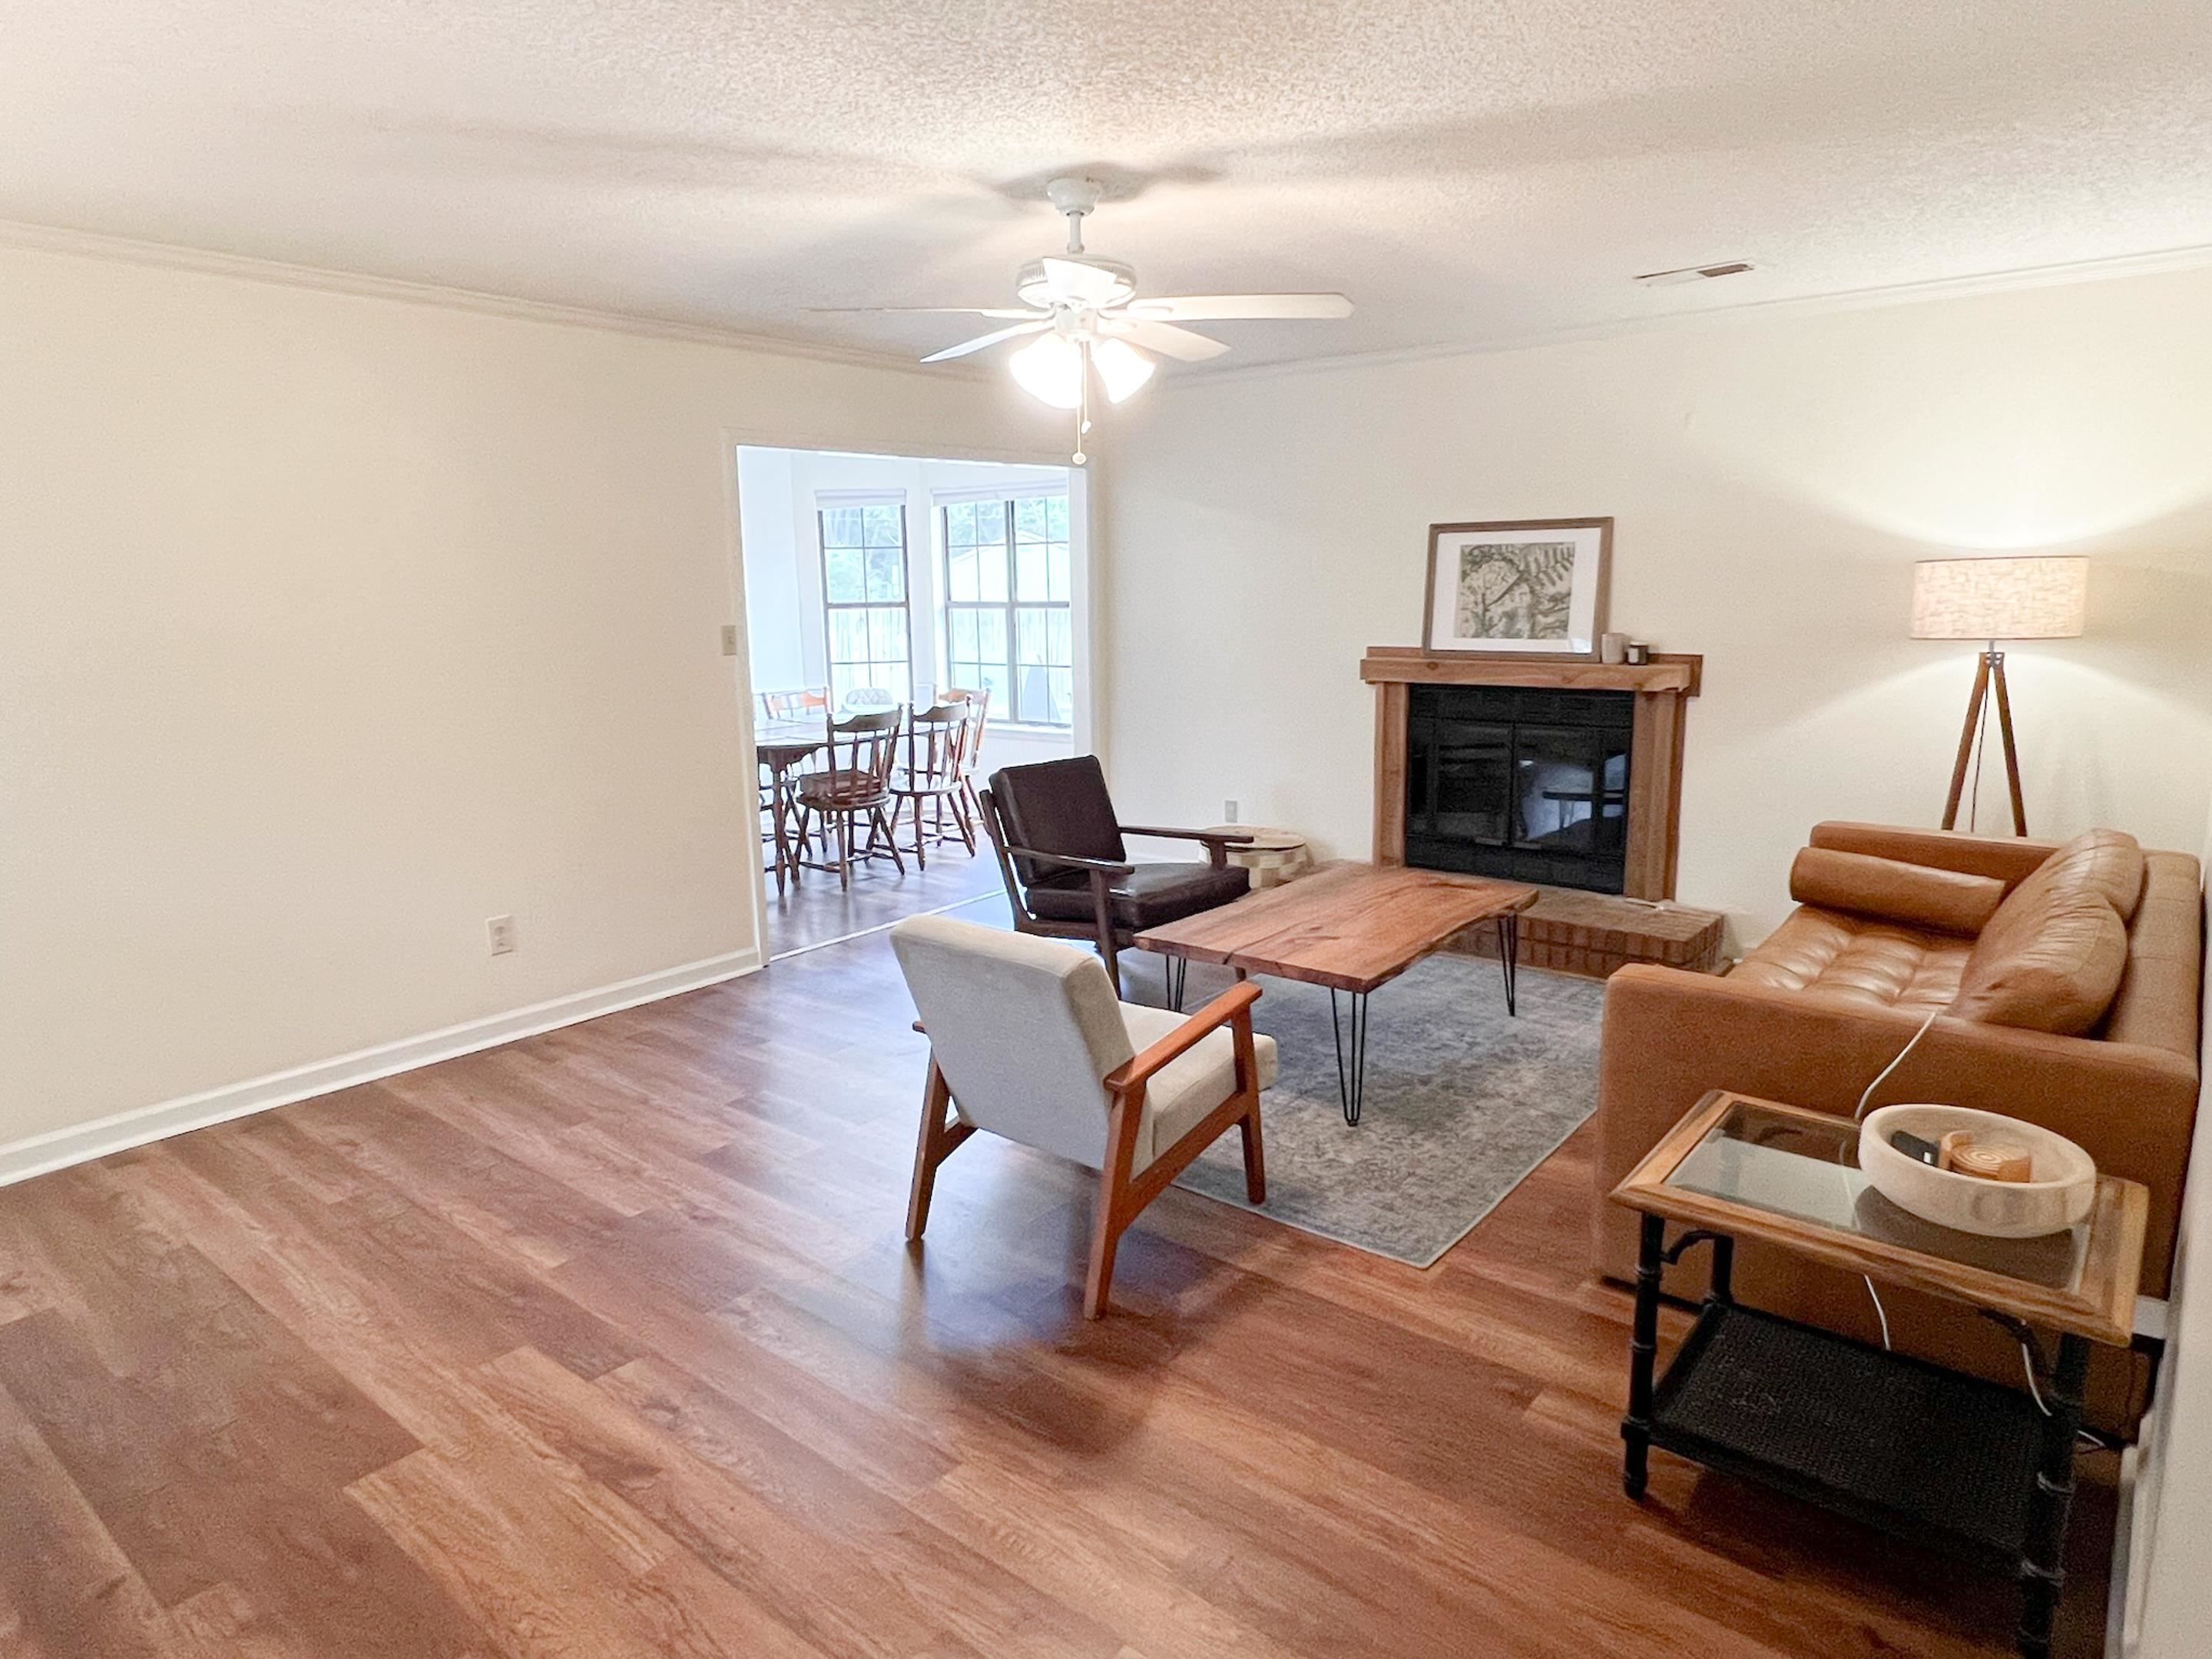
57,1148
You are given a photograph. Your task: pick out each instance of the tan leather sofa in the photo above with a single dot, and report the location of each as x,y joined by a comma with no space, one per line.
2098,944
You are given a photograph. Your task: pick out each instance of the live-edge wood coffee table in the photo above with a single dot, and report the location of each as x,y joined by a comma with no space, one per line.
1352,928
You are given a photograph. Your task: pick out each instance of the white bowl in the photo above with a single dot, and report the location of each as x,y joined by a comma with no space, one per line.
2062,1183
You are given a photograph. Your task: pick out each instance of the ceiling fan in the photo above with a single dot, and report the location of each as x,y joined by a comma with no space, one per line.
1088,320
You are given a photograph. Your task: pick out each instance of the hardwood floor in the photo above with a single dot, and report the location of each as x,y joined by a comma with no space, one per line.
606,1344
814,910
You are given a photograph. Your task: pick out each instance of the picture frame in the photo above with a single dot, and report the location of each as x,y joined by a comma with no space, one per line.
1532,587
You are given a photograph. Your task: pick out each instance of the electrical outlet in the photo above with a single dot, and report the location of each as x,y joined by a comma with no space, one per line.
500,930
1229,812
729,639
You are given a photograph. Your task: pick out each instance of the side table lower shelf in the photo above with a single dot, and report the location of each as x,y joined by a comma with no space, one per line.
1908,1447
1949,1462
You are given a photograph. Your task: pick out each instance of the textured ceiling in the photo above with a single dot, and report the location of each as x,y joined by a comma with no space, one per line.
1467,172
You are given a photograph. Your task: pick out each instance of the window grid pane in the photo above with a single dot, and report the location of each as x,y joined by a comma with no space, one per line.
864,595
1030,562
1008,582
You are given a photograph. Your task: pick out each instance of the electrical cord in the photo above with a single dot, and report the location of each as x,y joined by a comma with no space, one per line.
1882,1076
1879,1312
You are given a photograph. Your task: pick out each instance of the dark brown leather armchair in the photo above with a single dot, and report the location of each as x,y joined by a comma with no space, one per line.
1067,869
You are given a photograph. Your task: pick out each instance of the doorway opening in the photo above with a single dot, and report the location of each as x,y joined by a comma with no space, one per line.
913,624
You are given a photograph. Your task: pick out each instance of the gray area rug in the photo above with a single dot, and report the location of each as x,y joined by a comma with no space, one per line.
1461,1104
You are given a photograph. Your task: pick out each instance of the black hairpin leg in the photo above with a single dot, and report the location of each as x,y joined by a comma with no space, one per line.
1351,1079
1509,953
1177,970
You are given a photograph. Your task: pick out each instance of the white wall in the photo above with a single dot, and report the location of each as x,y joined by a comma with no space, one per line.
775,613
779,492
331,626
1771,478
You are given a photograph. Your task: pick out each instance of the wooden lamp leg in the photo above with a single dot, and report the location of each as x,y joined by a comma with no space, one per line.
1966,740
2011,755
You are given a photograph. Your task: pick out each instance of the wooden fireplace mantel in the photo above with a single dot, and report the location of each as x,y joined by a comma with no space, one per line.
1663,686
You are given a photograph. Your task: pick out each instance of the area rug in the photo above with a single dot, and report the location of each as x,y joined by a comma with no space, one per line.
1461,1104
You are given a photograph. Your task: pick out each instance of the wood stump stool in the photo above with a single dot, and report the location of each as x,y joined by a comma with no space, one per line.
1271,857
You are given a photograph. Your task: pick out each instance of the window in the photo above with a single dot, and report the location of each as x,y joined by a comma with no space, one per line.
1006,623
864,591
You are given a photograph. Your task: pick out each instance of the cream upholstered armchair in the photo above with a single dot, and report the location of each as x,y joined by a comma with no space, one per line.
1028,1040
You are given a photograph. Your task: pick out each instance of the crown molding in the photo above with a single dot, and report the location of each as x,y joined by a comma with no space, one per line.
1940,287
98,245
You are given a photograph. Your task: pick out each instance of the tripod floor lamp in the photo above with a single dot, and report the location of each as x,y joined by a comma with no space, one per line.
2038,597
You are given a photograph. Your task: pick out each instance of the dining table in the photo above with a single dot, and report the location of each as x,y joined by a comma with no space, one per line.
783,747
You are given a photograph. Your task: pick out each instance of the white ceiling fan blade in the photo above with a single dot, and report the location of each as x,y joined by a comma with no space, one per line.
1163,337
925,311
990,339
1224,307
1080,285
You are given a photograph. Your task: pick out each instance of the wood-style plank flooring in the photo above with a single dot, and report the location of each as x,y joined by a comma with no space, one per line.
606,1344
815,910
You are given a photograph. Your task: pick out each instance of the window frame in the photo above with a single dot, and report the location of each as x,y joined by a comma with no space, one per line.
1010,608
902,687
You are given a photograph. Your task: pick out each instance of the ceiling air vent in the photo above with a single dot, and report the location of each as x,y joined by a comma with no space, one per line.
1693,274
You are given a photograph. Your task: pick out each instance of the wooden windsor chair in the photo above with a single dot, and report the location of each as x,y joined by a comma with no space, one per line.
851,796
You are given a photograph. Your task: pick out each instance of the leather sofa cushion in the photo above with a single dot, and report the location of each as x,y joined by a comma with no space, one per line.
2010,858
1058,806
1948,901
2051,958
2107,862
2049,961
1829,953
1150,896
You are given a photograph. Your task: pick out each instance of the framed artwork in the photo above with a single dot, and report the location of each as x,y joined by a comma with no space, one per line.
1534,585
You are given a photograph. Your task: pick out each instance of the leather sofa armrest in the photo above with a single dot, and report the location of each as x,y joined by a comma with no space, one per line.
2010,858
1670,1035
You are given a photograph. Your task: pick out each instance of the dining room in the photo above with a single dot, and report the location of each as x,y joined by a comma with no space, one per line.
912,624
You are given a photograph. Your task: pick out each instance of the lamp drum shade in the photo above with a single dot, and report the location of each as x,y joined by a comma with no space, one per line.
2040,597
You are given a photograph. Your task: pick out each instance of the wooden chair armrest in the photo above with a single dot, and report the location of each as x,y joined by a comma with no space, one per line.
1232,1005
1217,841
1225,837
1069,861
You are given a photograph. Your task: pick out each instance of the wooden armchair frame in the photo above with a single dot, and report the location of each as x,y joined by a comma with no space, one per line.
1122,1197
1100,928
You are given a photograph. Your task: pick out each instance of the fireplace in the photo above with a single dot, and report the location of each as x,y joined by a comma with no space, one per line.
1523,783
1557,771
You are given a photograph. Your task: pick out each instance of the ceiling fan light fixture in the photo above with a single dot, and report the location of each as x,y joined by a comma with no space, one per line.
1050,369
1080,279
1122,369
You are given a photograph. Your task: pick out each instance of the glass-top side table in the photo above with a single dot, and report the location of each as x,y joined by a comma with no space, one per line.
1920,1451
